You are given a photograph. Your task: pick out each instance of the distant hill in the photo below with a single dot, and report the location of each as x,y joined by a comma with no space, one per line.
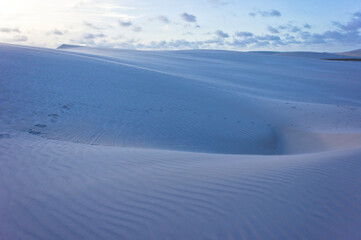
299,54
67,46
354,53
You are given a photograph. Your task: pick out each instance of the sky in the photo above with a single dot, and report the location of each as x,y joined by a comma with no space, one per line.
278,25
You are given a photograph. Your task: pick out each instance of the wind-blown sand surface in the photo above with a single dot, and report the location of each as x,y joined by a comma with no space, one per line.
201,144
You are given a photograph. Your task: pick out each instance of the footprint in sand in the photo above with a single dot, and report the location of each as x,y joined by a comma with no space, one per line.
40,125
35,132
67,107
54,117
4,135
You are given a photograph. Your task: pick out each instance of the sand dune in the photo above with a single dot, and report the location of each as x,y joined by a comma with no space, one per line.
97,192
202,144
354,53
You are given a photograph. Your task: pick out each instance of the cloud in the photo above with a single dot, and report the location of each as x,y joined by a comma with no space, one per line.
125,23
88,24
268,38
163,19
9,30
86,42
255,41
295,29
306,25
20,38
218,2
188,17
346,33
93,36
243,43
351,37
57,32
270,13
288,34
272,29
128,24
244,34
137,29
188,33
353,25
279,36
172,44
289,27
289,39
221,34
249,41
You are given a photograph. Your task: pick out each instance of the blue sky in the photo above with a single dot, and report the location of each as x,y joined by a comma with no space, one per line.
155,24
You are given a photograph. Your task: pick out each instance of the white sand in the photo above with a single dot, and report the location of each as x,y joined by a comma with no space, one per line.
122,144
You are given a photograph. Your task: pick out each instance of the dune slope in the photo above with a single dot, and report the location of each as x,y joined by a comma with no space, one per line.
201,144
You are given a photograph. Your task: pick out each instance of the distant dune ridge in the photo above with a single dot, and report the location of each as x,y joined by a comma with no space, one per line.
354,53
100,143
